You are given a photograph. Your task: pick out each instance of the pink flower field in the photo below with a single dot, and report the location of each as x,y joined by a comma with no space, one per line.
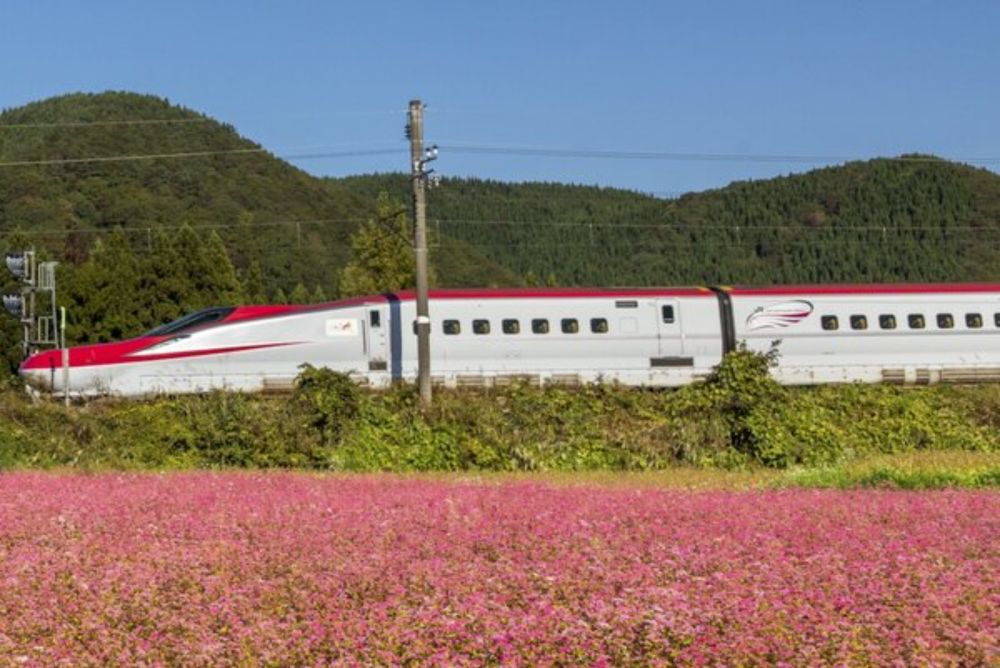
286,569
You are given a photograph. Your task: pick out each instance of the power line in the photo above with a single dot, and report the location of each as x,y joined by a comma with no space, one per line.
198,154
206,226
343,154
128,158
182,121
550,152
772,249
522,224
739,229
771,246
83,124
700,226
499,150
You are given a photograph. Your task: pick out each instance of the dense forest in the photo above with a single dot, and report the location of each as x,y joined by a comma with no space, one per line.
911,219
143,239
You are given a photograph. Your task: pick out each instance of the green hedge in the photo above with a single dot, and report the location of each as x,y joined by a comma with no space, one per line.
738,418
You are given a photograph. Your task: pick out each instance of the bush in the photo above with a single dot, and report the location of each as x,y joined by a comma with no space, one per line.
331,399
237,430
738,418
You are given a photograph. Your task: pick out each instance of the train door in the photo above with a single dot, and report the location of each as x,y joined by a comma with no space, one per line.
669,329
377,339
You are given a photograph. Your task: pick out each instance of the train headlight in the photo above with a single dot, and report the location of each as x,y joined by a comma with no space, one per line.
14,305
17,263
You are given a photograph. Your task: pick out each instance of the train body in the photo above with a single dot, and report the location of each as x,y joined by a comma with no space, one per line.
907,334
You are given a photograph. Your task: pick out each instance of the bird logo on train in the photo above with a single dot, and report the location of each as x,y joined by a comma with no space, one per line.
779,316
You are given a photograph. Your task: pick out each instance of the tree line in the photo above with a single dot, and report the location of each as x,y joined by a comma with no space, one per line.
915,219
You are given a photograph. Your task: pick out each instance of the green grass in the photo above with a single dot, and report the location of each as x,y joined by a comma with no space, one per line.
921,470
953,469
914,470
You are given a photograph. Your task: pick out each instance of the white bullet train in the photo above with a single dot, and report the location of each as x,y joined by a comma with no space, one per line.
906,334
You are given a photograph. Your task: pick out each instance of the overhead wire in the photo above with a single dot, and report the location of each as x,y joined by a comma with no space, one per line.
645,244
553,152
522,224
471,148
201,154
111,122
699,226
104,123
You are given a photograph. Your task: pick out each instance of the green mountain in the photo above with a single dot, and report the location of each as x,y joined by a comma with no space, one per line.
294,225
909,219
915,218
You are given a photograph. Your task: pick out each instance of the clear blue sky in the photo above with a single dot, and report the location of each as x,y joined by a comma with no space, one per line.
838,78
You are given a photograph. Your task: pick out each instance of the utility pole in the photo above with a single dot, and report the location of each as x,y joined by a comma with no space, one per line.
418,160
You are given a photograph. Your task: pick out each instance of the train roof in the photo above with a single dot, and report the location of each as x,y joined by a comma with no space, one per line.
253,312
541,293
508,293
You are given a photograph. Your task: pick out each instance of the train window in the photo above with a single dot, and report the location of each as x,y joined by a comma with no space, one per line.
859,322
540,326
197,319
973,320
452,327
996,319
887,321
945,321
599,325
480,326
375,318
511,326
570,326
667,312
830,323
916,321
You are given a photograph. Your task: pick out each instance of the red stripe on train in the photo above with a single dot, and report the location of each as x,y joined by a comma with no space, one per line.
124,353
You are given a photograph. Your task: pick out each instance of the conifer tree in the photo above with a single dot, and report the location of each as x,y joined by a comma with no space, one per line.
217,282
164,284
382,257
188,257
299,295
253,284
102,300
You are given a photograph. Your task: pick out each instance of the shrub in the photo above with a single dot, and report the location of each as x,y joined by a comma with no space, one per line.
738,418
331,399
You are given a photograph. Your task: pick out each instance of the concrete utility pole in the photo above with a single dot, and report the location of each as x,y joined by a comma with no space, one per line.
418,160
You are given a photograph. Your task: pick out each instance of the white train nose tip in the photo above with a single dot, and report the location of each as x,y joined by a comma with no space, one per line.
40,379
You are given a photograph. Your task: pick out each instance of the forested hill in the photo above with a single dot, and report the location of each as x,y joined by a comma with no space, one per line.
881,220
295,226
144,239
910,219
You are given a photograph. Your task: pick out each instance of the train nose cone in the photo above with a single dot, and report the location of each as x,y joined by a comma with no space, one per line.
39,370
